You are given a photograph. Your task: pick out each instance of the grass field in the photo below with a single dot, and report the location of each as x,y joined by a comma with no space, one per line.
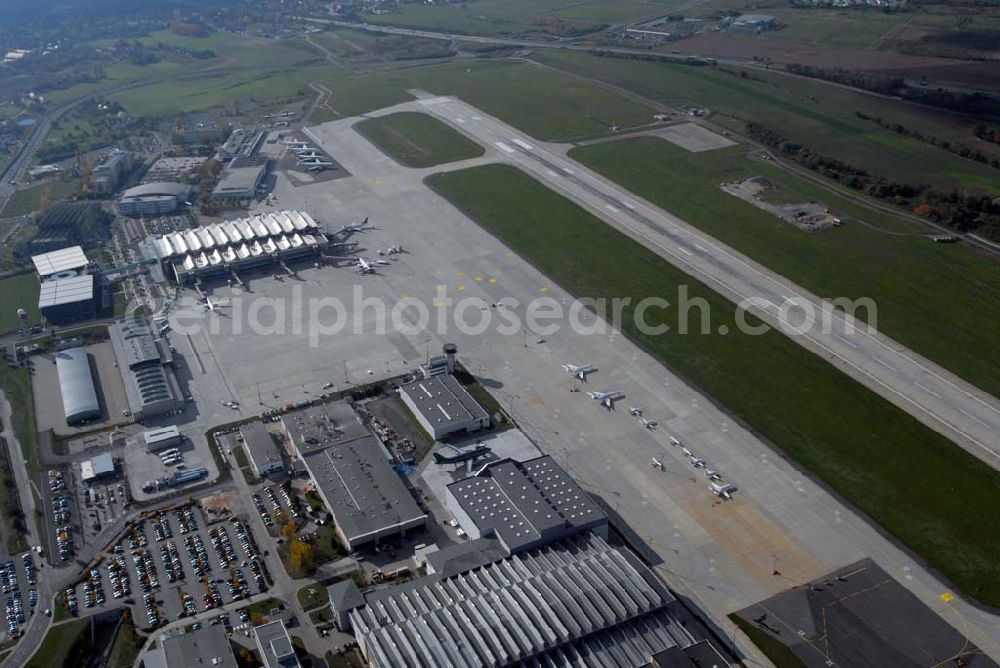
29,199
938,299
16,386
816,115
55,648
868,451
542,103
16,292
418,140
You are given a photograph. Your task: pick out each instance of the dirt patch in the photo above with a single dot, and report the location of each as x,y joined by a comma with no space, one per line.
770,197
694,138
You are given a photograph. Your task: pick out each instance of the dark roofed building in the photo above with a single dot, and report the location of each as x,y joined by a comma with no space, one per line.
523,504
146,366
261,448
442,406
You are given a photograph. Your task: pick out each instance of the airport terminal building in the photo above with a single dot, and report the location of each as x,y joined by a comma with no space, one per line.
261,240
153,199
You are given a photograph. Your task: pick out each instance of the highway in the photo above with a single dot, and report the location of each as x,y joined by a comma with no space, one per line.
932,394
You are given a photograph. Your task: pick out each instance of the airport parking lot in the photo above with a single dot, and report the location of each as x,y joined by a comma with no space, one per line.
173,564
18,579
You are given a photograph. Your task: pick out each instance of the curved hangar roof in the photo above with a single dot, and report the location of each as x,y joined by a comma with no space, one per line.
76,384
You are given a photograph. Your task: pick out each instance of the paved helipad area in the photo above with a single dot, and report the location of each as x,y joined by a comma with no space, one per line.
720,554
693,137
859,616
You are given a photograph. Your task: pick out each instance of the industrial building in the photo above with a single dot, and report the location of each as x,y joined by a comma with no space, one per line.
262,451
242,178
64,300
106,176
274,645
153,199
523,504
146,367
162,438
442,406
261,240
64,262
206,646
353,475
576,602
749,23
97,468
76,384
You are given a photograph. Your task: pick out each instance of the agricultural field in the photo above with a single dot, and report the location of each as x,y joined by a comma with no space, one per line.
936,299
874,455
361,45
522,17
418,140
817,115
542,103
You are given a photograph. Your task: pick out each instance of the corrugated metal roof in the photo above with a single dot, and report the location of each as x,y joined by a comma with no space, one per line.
64,259
76,384
60,291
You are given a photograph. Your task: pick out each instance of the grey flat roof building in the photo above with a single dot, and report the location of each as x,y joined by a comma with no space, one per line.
76,384
321,426
523,504
442,406
579,601
264,453
240,182
276,650
145,365
368,499
208,646
67,299
54,262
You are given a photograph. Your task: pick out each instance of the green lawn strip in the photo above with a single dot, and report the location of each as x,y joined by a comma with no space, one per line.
542,103
418,140
874,455
29,199
779,653
937,299
19,291
59,644
16,384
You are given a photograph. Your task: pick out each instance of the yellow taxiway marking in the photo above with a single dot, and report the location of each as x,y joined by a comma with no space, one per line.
947,596
509,254
543,289
404,298
461,288
461,273
477,279
493,281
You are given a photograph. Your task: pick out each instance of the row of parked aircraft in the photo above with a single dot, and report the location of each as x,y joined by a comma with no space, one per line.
716,485
308,156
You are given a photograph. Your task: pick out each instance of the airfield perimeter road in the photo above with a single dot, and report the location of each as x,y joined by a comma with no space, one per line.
932,394
721,555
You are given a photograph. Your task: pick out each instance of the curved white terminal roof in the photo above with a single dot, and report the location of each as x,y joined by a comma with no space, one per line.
214,257
192,240
206,237
219,234
228,254
269,246
177,241
163,247
246,230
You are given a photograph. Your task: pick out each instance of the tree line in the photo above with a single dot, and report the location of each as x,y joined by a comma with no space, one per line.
958,149
965,212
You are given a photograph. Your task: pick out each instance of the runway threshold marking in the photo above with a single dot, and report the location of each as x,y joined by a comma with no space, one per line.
684,250
523,144
503,147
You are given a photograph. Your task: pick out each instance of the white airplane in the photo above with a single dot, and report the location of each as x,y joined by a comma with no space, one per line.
368,266
580,371
607,399
318,167
722,490
634,412
713,475
355,227
687,453
214,306
656,463
647,423
674,441
698,463
308,155
314,163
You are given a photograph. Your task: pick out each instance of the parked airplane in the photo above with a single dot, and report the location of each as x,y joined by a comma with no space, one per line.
314,163
318,168
634,412
656,463
580,371
214,305
687,453
310,155
698,463
647,423
713,475
722,490
674,441
355,227
607,399
294,142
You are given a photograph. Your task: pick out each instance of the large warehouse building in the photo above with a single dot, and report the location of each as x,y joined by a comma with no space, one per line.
352,473
153,199
576,602
66,300
76,384
523,504
442,406
146,367
264,239
69,261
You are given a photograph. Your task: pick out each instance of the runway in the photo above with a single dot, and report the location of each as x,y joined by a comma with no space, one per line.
721,555
932,394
